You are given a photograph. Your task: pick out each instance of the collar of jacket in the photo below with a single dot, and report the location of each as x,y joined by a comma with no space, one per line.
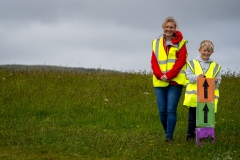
200,60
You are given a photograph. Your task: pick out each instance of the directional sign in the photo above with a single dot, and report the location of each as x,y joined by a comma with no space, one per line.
205,111
205,116
204,134
205,90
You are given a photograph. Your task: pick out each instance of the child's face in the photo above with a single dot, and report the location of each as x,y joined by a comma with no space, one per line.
205,53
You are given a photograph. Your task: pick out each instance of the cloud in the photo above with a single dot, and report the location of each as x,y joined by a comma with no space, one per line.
111,34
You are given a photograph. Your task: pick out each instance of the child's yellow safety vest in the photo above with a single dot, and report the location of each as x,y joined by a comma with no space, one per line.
190,99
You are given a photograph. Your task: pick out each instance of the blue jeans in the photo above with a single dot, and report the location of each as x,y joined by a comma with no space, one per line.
167,101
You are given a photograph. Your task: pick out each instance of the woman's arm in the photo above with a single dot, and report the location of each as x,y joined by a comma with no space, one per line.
155,67
180,62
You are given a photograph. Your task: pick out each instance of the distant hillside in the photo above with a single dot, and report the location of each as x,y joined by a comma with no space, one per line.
48,68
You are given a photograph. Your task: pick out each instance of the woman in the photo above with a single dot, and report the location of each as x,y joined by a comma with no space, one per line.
169,56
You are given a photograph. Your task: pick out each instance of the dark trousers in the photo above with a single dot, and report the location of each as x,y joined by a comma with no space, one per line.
191,122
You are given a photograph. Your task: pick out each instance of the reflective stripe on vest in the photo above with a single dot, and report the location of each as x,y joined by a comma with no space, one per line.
166,62
190,99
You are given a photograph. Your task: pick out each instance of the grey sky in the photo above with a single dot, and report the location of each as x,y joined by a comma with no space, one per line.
112,34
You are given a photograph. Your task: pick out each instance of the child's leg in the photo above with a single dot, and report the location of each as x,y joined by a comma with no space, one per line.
191,123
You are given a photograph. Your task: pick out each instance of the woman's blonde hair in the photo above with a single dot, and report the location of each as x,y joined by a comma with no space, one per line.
170,19
208,44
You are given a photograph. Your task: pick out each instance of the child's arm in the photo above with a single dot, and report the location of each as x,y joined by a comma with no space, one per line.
190,75
218,79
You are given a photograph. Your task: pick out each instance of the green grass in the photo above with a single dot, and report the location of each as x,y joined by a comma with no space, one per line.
50,114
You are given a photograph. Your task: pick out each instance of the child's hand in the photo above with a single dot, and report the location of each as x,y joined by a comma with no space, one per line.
201,76
215,80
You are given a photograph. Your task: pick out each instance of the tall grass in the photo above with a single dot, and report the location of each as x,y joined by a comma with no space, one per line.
50,114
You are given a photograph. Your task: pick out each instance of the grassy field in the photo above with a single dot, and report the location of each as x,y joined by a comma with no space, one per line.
58,115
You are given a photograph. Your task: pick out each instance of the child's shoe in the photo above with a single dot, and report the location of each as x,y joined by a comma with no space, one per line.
190,138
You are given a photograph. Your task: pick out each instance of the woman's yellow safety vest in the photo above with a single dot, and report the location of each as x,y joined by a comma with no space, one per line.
166,62
190,99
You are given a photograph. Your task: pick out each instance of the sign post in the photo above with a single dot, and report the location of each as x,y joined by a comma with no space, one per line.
205,115
205,90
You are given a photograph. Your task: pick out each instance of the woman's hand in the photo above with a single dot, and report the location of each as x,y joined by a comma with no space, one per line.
164,78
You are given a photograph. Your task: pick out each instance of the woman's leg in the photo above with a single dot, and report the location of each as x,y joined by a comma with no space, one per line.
161,96
173,96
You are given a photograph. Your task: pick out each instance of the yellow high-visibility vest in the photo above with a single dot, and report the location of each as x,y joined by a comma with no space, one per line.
190,99
166,62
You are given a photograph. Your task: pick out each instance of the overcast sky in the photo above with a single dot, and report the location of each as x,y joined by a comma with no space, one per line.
113,34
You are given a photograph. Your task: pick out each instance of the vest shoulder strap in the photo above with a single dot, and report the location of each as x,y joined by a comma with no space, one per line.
191,65
182,42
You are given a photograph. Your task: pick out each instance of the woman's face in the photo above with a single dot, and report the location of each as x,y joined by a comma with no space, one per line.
169,29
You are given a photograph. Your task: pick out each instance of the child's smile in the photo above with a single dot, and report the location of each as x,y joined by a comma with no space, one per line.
205,53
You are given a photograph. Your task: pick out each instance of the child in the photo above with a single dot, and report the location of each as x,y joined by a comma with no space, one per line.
202,66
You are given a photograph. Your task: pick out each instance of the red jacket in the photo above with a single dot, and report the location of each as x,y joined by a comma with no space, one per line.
180,62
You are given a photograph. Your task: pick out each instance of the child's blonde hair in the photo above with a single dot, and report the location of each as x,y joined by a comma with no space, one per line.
169,19
208,44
